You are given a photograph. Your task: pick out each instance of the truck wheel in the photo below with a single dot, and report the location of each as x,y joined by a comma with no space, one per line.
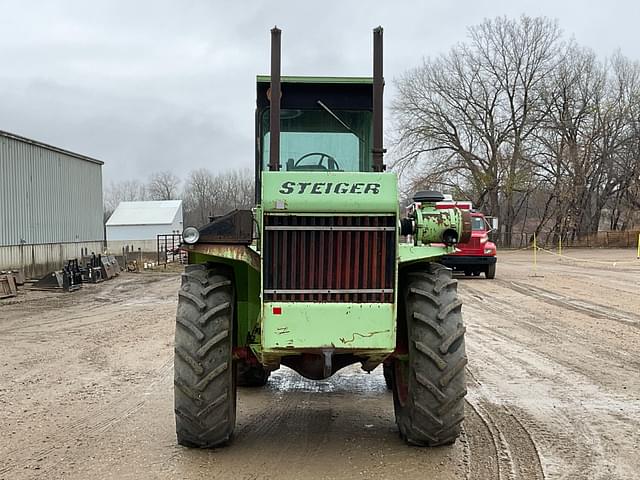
204,372
476,273
250,375
429,383
387,371
490,272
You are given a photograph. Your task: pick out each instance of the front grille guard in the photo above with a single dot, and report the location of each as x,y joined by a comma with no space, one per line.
329,259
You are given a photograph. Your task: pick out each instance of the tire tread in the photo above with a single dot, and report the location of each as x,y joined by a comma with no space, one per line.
204,371
434,407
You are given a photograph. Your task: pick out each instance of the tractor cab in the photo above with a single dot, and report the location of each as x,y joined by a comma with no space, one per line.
326,124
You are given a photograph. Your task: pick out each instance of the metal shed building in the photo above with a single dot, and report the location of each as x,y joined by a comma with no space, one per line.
136,224
50,205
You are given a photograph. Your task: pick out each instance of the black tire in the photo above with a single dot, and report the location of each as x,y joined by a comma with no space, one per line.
467,273
490,272
250,375
476,273
204,372
387,371
429,387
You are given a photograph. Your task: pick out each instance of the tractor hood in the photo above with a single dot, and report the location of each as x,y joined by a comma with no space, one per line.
329,192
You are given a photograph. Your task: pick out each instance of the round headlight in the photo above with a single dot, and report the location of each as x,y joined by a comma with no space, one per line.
190,235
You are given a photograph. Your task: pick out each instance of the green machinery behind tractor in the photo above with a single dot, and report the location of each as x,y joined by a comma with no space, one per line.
316,276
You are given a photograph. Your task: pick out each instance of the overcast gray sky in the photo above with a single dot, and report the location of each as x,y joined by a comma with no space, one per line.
160,85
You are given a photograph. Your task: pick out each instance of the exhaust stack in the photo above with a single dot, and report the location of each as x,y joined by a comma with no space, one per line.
274,118
378,87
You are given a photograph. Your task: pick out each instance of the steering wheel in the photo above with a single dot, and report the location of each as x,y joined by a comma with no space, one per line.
331,162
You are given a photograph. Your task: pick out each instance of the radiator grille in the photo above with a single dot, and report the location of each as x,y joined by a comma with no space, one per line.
329,259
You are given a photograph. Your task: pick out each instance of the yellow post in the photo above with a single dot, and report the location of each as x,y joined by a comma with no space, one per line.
638,253
560,245
535,254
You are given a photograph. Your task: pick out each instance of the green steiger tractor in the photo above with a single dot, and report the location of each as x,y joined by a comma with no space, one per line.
325,271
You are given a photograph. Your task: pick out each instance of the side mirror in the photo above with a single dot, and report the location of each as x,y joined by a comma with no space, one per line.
492,222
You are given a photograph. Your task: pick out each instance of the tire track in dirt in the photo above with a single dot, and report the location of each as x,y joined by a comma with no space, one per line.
576,425
92,424
514,451
582,306
552,333
301,412
66,326
56,326
496,305
614,281
569,429
72,311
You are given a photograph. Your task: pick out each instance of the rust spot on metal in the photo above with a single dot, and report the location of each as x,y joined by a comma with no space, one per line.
234,252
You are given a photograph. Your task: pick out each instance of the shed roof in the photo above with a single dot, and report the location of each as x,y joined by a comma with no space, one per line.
159,212
49,147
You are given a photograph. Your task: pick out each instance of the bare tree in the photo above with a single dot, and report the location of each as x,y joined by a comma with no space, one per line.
563,145
163,186
198,196
206,194
588,152
124,191
464,118
531,129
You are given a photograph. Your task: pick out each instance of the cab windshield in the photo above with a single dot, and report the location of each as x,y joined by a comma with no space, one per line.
477,224
321,140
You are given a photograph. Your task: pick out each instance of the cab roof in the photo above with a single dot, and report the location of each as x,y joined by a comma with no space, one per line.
339,93
311,79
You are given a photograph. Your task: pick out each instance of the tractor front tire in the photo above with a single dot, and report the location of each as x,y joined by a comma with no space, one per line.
204,371
252,375
429,385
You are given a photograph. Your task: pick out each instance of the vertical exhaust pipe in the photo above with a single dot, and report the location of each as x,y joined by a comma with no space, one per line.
274,118
378,88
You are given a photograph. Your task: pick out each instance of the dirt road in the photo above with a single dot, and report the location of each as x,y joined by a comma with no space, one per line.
553,387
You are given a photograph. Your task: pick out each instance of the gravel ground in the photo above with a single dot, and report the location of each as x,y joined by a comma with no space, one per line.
553,382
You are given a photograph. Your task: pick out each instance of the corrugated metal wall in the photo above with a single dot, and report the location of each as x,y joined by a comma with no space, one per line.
47,196
37,260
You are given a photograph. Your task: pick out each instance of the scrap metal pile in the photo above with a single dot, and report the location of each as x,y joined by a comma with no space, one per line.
94,269
9,281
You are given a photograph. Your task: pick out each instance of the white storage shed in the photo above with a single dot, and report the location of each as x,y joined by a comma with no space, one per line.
137,224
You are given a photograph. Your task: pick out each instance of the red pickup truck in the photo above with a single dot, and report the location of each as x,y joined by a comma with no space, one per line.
478,254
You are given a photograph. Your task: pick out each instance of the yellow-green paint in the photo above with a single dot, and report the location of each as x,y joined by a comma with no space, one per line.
368,328
431,223
366,193
247,282
408,252
343,326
